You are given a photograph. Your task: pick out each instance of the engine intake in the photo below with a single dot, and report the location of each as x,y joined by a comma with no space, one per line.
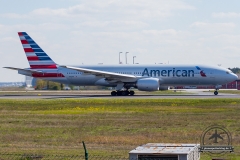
148,84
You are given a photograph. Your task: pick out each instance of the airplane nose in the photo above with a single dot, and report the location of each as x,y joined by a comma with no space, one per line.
234,77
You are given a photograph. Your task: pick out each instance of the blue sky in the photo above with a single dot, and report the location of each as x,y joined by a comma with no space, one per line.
92,32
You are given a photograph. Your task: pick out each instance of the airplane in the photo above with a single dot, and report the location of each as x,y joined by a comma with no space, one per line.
216,136
122,77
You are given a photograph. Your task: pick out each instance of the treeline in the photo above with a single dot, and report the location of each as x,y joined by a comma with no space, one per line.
48,85
235,70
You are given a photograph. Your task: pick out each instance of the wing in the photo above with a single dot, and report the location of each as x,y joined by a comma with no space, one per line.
109,75
212,137
28,70
219,136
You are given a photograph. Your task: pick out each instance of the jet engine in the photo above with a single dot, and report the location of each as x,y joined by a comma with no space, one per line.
148,84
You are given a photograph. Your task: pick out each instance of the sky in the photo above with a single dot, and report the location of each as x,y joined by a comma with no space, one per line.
95,31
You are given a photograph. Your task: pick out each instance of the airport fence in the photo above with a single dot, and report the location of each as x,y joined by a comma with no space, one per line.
6,156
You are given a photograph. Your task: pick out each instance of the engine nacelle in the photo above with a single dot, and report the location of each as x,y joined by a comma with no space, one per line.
148,84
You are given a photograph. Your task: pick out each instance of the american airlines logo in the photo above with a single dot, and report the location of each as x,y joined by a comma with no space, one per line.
172,73
168,73
201,72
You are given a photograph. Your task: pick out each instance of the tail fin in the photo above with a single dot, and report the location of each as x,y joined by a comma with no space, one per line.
37,58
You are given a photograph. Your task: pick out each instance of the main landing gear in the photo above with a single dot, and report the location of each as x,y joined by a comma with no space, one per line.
217,88
122,93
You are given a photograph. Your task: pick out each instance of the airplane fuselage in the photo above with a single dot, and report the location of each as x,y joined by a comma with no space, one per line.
169,75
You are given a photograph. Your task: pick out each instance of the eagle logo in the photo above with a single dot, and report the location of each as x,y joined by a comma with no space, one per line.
201,72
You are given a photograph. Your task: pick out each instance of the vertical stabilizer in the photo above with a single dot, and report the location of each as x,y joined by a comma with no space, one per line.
37,58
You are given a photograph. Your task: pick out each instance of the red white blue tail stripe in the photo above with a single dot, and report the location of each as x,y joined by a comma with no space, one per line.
37,58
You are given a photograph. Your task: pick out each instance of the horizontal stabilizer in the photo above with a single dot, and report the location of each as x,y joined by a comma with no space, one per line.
21,69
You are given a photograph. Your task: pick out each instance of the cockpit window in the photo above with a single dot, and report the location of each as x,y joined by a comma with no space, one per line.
227,72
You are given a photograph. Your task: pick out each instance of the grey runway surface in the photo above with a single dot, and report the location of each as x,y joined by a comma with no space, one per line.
201,95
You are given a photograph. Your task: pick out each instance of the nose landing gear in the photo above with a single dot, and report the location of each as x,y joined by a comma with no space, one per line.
217,88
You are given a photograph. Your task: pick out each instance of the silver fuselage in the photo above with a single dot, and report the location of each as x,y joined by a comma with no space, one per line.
169,75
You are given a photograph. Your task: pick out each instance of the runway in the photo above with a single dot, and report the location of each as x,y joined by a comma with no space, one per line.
192,94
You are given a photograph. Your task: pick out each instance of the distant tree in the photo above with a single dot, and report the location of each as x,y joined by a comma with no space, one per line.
54,85
71,86
61,86
47,85
235,70
56,88
40,84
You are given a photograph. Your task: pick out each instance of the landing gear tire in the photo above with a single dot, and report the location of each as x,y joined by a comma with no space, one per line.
119,93
122,93
131,93
215,92
125,93
113,93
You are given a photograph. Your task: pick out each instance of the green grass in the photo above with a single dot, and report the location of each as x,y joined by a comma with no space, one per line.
110,126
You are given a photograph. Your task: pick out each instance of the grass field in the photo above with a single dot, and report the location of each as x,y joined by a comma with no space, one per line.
111,126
